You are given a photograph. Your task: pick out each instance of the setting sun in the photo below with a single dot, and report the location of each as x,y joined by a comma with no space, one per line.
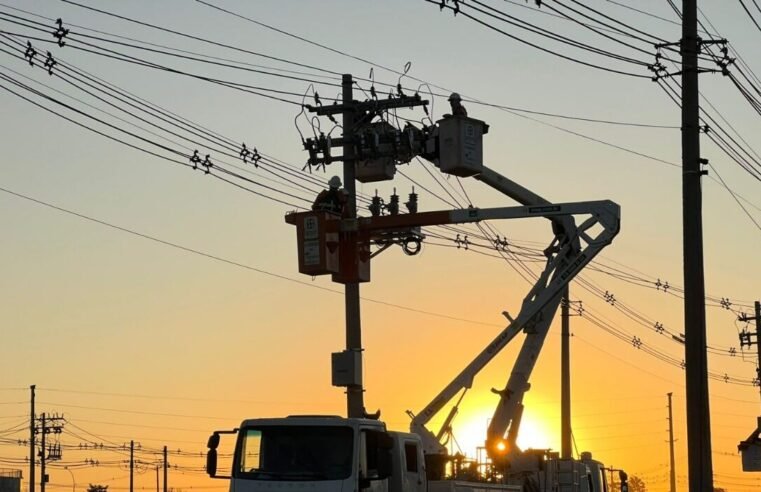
470,433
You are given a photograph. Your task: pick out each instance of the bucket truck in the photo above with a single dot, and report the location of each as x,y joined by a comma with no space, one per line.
330,453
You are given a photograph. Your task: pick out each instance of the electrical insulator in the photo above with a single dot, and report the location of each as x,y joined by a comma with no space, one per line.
376,205
412,203
393,204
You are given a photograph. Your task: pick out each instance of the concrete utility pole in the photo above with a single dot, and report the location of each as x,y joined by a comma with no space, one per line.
672,474
352,267
565,377
32,456
355,406
698,415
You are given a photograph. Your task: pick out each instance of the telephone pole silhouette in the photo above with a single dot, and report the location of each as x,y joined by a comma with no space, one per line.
700,465
745,337
565,377
672,473
48,452
32,456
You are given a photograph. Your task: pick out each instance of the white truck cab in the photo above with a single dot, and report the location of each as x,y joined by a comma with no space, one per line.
321,454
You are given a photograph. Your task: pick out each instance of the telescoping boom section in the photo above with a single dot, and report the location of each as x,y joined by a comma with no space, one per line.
571,249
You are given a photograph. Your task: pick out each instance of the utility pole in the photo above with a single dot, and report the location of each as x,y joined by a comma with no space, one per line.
745,337
362,139
47,452
42,455
354,393
157,478
565,377
672,475
32,456
131,465
700,466
165,470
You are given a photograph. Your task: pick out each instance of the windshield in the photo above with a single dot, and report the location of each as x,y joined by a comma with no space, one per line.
295,452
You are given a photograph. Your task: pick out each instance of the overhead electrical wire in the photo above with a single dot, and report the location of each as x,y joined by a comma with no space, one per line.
540,48
235,263
752,18
134,135
115,55
517,22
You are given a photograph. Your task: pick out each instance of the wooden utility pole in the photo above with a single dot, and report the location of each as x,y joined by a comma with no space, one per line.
700,466
672,474
565,377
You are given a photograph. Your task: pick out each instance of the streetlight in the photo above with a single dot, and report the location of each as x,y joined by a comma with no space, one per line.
73,483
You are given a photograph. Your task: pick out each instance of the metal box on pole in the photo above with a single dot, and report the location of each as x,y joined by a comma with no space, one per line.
345,368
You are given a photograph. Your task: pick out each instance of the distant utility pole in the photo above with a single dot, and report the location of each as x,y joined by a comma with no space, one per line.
32,456
48,424
672,474
698,414
131,465
566,432
565,377
165,470
745,337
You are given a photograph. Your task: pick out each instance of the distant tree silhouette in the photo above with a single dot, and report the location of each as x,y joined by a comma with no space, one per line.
636,484
97,488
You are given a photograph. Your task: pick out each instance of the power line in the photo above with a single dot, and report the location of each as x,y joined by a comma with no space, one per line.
540,48
751,15
235,263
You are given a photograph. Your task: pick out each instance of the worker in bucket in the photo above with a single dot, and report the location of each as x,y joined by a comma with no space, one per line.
332,200
455,101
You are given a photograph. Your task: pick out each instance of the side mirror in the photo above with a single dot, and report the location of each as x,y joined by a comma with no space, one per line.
213,442
211,461
624,480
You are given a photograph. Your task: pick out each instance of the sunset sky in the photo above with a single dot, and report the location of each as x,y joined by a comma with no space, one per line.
201,319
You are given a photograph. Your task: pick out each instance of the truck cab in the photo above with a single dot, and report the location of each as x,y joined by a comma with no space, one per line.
321,453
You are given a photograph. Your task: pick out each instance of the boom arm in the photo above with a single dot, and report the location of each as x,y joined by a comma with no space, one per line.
571,250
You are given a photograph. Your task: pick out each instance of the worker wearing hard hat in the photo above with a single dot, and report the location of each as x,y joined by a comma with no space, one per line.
457,108
333,199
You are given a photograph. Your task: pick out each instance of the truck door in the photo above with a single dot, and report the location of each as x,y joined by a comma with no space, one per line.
413,470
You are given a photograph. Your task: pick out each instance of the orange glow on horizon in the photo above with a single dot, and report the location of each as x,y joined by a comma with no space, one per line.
535,432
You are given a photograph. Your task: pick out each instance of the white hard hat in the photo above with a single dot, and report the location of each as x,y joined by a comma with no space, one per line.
334,182
455,97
